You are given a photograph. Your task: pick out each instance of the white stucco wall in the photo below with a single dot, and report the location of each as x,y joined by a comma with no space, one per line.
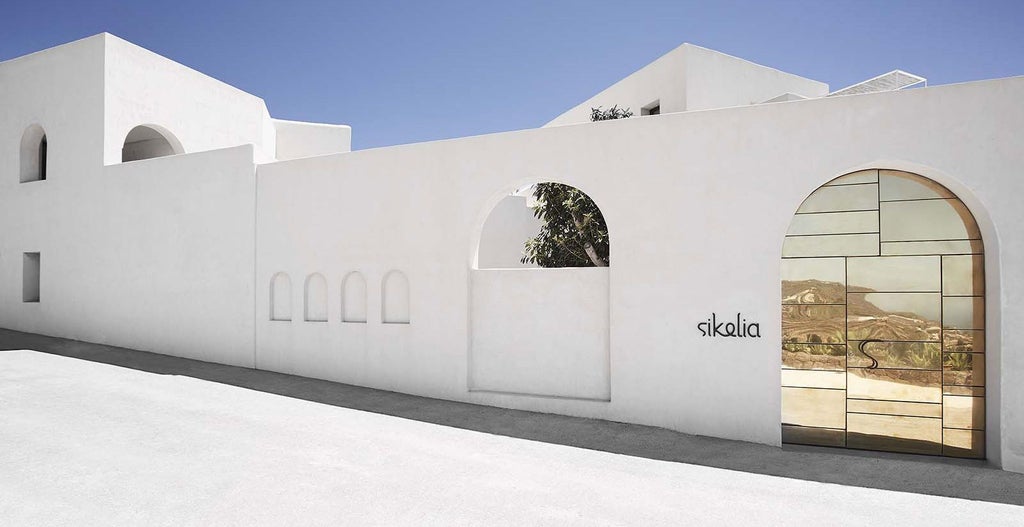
177,254
297,139
694,78
540,332
203,113
697,229
505,232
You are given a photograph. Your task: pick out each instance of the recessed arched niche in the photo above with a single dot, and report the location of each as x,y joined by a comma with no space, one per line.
353,298
33,154
149,141
316,298
395,298
281,297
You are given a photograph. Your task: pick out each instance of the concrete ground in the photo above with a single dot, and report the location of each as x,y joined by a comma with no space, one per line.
82,442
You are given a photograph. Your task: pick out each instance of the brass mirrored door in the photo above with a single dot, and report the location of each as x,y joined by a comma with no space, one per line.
883,322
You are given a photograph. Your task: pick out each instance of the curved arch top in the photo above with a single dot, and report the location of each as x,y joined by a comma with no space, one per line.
281,297
148,141
353,297
316,298
395,298
883,318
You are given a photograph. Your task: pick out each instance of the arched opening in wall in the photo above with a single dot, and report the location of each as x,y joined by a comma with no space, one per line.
883,321
395,298
544,330
281,297
316,298
353,298
149,141
33,154
544,225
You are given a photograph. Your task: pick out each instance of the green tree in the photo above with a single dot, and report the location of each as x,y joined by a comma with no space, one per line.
574,233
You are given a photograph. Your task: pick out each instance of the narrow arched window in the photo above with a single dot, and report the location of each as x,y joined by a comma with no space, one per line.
353,298
316,298
281,297
33,154
395,298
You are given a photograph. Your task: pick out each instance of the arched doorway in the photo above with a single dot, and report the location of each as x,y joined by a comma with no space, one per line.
883,322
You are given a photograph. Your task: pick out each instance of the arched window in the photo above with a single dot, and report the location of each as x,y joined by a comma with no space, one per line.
395,298
281,297
316,298
149,141
353,298
883,322
544,225
33,154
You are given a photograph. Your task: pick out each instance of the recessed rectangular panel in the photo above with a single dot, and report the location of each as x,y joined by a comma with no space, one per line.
933,247
814,324
963,412
866,406
894,316
813,281
963,312
855,178
842,198
895,273
896,185
814,407
921,386
933,219
963,443
916,435
804,435
904,355
834,223
814,356
831,245
814,379
972,391
963,275
963,340
963,369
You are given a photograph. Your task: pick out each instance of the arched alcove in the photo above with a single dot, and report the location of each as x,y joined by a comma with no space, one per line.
542,331
149,141
883,318
353,298
33,154
281,297
395,298
316,298
562,222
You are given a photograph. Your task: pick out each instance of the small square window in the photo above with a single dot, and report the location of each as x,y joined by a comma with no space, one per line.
651,109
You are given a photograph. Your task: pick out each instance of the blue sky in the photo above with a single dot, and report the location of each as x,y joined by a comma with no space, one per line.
409,71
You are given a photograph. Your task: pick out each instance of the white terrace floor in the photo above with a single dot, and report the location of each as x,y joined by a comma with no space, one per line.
85,443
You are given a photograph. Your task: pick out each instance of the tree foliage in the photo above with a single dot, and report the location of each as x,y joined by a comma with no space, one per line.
574,233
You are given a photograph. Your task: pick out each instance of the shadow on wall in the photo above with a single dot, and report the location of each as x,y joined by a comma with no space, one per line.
149,141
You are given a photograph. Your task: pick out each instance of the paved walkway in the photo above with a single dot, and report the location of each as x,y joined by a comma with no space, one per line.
916,474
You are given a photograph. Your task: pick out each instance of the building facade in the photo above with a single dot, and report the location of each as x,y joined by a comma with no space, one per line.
148,206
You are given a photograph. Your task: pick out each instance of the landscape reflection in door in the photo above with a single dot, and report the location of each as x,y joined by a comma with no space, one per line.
883,321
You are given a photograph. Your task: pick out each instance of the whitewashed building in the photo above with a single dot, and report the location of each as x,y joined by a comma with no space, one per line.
146,205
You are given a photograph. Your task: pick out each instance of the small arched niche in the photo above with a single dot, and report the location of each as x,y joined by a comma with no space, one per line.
281,297
149,141
395,298
316,298
547,225
353,298
33,154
